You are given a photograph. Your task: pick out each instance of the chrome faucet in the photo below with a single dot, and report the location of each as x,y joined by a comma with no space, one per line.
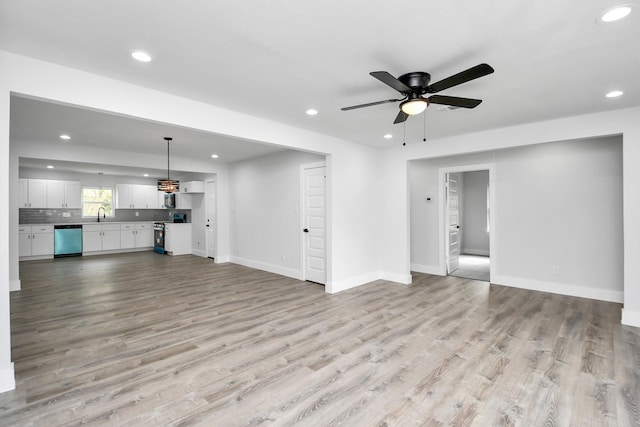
104,214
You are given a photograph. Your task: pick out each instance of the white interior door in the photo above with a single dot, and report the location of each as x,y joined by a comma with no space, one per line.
314,224
453,226
210,212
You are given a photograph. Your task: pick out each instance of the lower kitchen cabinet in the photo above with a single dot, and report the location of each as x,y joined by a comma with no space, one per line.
35,240
177,238
100,237
136,235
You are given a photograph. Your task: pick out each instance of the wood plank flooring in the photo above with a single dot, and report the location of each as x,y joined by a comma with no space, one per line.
148,340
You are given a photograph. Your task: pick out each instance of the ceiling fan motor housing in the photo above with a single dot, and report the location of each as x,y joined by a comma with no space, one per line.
418,81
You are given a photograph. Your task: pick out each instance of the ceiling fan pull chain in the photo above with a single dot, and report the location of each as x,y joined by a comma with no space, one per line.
404,133
424,130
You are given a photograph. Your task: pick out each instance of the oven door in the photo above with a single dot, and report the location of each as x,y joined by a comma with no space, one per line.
158,237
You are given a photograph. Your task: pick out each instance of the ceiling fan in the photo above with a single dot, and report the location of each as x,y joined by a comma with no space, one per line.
413,85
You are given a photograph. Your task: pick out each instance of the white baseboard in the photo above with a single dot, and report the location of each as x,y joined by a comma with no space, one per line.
222,259
631,318
271,268
7,379
353,282
403,279
15,285
427,269
199,252
559,288
471,251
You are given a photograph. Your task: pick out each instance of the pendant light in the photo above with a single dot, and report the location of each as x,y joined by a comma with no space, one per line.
168,185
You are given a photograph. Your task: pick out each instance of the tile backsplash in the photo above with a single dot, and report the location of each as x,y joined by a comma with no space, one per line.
57,216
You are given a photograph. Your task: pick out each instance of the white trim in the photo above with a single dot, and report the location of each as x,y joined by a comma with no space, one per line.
354,282
403,279
7,379
428,269
199,252
222,259
559,288
271,268
15,285
631,318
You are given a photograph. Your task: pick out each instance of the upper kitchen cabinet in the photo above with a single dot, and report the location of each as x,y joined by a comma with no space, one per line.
135,196
64,194
33,193
43,193
191,187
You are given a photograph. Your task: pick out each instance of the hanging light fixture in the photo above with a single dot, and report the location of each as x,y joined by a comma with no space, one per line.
168,185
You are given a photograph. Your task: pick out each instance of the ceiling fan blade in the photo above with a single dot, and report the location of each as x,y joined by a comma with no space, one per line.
389,80
454,101
353,107
462,77
401,117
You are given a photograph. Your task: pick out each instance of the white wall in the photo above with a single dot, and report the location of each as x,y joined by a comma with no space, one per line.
558,209
265,228
475,239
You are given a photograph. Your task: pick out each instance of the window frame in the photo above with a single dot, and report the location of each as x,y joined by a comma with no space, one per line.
108,213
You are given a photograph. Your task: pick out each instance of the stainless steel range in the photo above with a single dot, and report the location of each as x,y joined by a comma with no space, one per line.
158,237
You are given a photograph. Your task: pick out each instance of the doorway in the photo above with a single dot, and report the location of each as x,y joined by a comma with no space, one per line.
466,222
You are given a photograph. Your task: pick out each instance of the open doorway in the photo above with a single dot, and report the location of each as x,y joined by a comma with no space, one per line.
467,223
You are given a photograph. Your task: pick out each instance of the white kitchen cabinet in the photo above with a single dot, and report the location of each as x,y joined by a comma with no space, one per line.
135,196
100,237
36,240
183,201
33,193
64,194
191,187
177,238
136,235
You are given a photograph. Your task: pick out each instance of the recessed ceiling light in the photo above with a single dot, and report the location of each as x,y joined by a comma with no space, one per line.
614,94
146,174
616,13
312,112
388,136
214,156
141,56
65,137
49,166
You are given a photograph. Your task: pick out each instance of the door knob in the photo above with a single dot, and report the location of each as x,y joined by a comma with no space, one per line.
306,230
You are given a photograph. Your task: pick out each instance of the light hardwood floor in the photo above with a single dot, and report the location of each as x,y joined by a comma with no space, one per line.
143,339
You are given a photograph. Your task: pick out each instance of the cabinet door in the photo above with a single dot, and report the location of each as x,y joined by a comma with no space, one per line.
123,196
24,244
138,197
127,236
42,244
110,240
144,238
91,241
37,193
73,195
24,193
151,196
55,194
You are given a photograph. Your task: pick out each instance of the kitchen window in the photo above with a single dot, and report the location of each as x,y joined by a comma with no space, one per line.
94,198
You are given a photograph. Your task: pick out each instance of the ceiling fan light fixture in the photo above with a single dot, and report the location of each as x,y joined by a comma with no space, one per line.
414,106
616,13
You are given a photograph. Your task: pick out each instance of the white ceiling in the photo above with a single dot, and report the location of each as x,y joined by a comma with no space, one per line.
277,58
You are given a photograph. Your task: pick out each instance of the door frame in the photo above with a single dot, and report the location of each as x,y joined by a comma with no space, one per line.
442,214
303,167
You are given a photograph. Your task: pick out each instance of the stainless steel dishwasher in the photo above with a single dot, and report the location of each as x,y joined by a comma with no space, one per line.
67,240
